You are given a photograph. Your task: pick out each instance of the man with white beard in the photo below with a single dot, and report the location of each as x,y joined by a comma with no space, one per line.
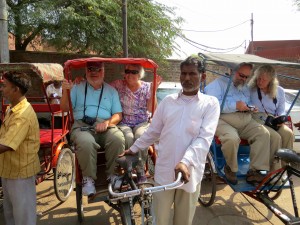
236,123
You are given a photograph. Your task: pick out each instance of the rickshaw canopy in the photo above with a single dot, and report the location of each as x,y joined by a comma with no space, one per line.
233,61
79,63
47,72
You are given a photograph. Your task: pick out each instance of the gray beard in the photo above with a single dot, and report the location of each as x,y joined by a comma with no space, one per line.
240,87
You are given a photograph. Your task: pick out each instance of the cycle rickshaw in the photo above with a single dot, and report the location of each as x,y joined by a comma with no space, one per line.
56,158
270,188
130,199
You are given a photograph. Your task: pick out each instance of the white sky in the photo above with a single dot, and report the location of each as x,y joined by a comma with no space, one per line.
273,20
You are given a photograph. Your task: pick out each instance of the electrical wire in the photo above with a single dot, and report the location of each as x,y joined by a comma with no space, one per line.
208,31
221,50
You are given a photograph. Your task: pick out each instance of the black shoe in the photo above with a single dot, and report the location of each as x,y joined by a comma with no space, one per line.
230,176
254,177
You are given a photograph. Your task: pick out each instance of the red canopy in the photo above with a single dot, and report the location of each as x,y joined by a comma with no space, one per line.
79,63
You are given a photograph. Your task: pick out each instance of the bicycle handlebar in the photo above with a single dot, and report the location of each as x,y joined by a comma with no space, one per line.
146,191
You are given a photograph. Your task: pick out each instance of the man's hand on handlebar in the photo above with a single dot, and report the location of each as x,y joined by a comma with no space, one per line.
181,167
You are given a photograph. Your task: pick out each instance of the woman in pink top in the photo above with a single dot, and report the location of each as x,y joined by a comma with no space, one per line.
136,101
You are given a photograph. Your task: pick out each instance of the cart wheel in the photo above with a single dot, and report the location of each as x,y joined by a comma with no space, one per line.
150,165
79,204
126,214
208,184
64,174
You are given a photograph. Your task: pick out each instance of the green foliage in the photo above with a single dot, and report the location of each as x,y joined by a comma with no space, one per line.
95,26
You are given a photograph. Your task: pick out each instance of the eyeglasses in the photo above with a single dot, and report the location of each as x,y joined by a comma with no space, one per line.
94,69
243,75
131,72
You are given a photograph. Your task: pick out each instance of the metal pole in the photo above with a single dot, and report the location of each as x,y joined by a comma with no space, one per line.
124,19
4,51
252,44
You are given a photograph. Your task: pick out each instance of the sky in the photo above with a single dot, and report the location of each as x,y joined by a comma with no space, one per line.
224,26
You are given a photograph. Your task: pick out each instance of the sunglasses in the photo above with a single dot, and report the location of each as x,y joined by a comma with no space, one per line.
94,69
131,72
243,75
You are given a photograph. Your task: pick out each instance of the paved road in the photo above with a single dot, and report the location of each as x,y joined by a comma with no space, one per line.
229,208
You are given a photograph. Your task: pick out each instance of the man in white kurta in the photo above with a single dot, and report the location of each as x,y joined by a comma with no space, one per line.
185,124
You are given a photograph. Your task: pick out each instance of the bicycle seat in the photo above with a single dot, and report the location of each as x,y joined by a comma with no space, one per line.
128,161
288,155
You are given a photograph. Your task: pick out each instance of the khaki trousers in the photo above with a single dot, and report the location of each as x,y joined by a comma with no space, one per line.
282,138
87,143
234,126
184,206
131,135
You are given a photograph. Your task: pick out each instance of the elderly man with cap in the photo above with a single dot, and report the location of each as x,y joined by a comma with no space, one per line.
19,145
95,103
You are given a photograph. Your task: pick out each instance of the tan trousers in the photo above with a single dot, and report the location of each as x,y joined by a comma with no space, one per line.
131,134
282,138
232,128
87,144
184,206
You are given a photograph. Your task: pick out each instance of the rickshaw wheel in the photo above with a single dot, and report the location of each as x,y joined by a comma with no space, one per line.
208,184
150,165
64,174
79,204
126,214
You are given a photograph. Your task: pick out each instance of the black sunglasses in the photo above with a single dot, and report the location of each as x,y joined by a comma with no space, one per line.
131,72
243,75
94,69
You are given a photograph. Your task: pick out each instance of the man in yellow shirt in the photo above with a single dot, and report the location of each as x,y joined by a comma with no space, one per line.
19,145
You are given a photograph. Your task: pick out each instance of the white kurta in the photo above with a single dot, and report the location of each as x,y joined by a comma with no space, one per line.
185,131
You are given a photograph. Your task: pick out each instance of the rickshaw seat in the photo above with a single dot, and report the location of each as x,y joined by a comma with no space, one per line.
45,137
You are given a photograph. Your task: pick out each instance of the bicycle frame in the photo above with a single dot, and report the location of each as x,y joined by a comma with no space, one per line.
262,190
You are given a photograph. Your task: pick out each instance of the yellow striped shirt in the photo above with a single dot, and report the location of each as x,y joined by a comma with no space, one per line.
20,131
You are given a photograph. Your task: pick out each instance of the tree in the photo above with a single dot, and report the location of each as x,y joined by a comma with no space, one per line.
95,26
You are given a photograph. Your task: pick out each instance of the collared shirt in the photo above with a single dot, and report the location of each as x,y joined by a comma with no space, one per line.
218,88
267,103
134,104
20,131
109,105
185,130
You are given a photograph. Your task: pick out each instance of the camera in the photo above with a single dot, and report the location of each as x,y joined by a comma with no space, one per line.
89,120
251,107
272,121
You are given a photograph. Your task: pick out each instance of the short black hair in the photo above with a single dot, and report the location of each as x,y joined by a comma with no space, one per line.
21,80
193,60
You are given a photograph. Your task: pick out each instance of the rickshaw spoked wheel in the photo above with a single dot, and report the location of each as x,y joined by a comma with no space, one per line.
64,174
151,159
208,184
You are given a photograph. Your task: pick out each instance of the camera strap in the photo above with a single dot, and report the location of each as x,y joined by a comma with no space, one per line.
100,97
260,99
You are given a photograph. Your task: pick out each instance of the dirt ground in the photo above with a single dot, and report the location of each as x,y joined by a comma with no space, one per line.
230,208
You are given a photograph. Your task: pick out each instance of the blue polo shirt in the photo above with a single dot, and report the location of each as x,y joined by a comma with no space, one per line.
109,105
